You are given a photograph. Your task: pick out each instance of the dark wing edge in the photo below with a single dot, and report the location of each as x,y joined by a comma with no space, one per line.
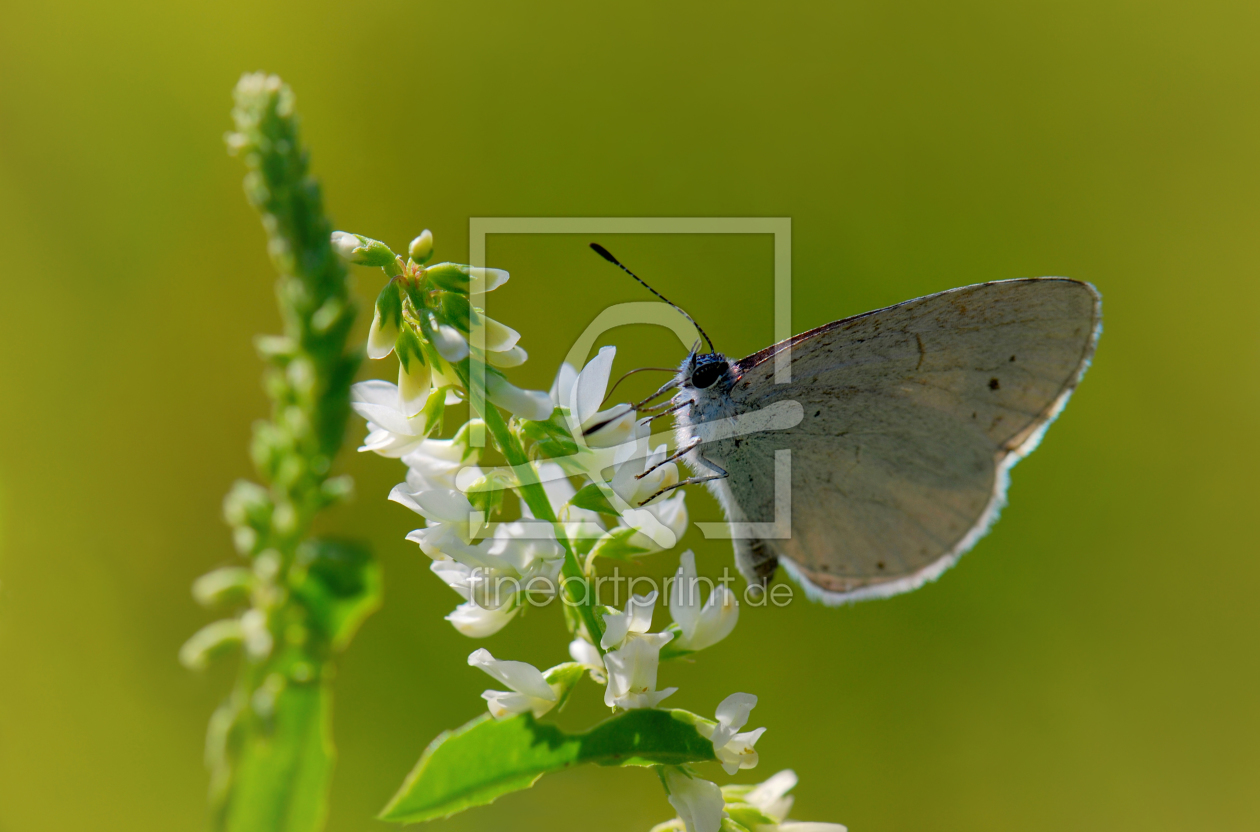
1007,459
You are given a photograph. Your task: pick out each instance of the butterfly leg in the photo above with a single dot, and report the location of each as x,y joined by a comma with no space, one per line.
683,451
721,474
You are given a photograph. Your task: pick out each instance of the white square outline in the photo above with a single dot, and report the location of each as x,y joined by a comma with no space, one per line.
779,227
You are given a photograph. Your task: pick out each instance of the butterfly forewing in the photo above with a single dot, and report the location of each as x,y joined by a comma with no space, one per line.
912,415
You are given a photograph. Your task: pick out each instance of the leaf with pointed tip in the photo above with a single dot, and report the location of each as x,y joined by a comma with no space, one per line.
486,758
592,498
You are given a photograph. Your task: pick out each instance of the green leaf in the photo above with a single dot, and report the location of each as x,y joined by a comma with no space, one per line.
339,583
485,759
593,498
281,769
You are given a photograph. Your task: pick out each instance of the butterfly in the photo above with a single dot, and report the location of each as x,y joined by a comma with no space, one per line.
910,419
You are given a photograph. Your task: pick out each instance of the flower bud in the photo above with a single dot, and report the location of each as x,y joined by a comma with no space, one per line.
421,248
360,250
210,641
226,585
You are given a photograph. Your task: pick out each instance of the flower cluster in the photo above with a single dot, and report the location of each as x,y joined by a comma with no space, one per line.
704,807
591,485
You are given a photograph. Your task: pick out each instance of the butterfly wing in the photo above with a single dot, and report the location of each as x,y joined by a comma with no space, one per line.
913,415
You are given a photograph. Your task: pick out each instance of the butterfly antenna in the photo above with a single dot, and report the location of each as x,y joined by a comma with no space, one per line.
632,372
604,253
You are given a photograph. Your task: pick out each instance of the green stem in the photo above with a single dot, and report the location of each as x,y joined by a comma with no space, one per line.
536,498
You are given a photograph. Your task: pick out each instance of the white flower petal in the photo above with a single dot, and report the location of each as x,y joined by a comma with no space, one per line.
514,357
684,595
616,427
344,243
381,337
443,540
771,796
521,677
449,343
637,618
414,383
475,621
454,574
503,704
732,714
632,672
740,752
716,620
525,404
485,280
562,387
499,337
388,444
444,505
583,652
699,803
588,391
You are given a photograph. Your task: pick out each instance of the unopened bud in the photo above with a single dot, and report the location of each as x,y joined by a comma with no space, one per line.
360,250
421,248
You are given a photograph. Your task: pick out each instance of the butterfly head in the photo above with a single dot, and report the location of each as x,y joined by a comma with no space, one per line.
708,371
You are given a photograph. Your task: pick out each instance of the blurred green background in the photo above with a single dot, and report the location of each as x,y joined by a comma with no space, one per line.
1093,664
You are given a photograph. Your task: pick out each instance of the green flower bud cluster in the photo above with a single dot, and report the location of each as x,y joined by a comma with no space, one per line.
299,599
426,316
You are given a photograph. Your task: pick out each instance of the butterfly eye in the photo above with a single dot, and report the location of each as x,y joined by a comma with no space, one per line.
707,375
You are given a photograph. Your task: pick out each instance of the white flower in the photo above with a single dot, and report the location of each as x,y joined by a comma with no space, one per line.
659,525
443,540
528,550
632,672
734,750
582,393
701,626
530,691
445,379
514,357
562,387
480,616
699,803
438,463
534,405
771,798
415,380
391,433
447,507
475,621
447,340
584,653
498,337
381,336
636,619
634,486
579,523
